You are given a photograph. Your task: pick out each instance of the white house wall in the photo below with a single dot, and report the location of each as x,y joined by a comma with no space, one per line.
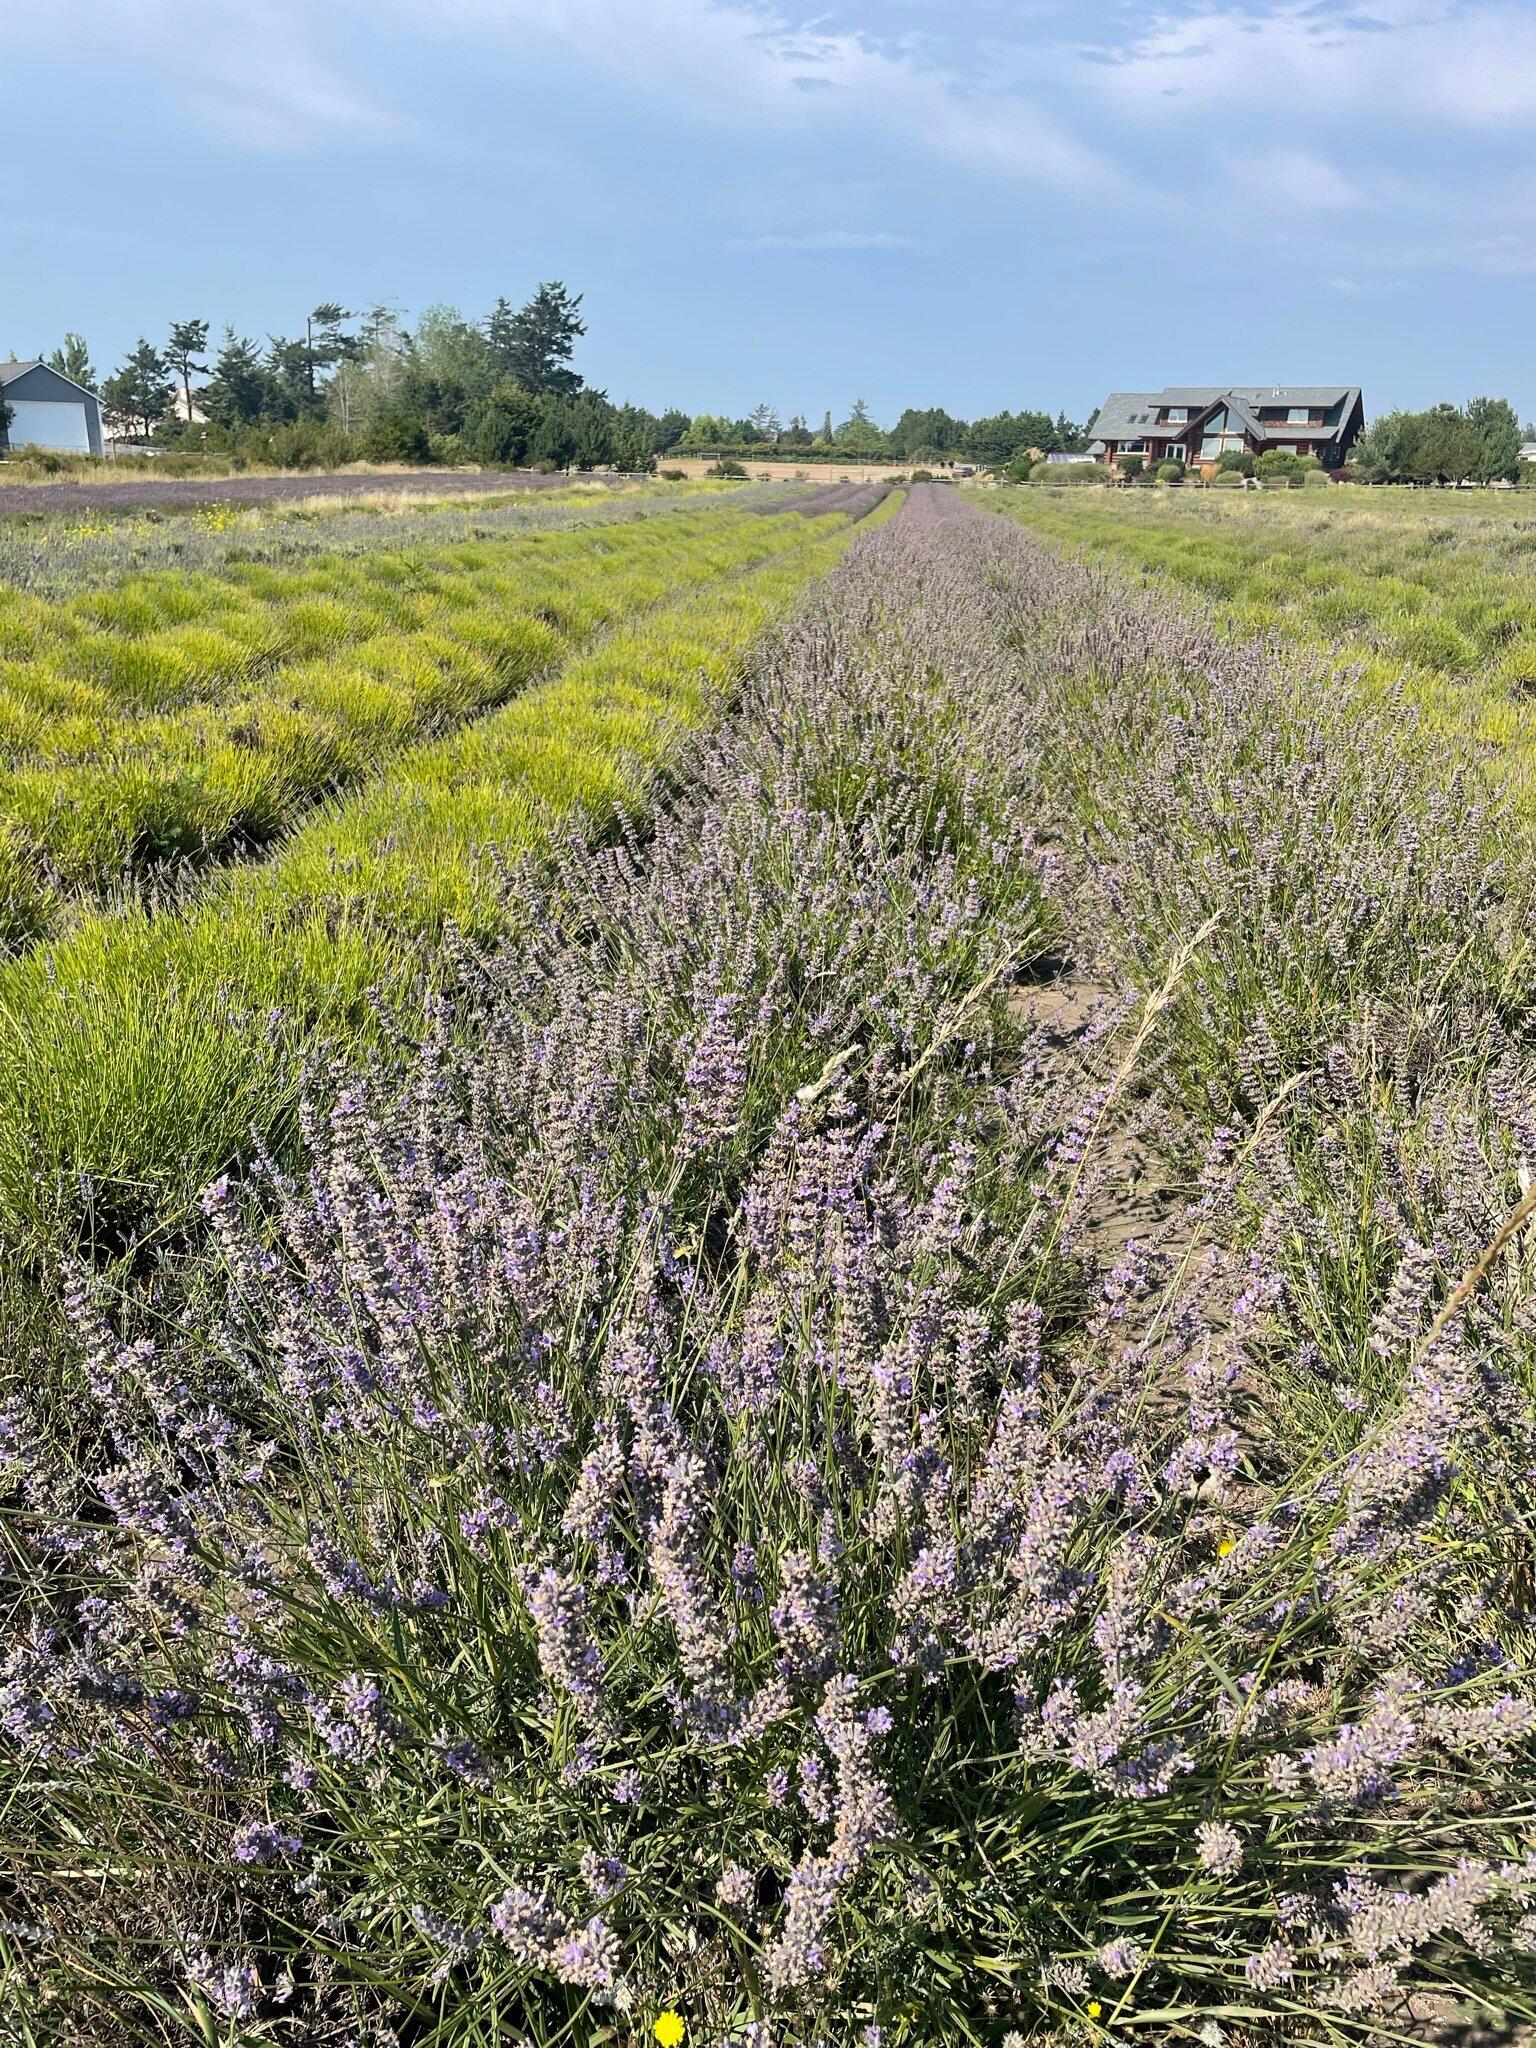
49,423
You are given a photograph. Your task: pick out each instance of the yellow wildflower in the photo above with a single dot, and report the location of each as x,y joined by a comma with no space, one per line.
1094,2008
1226,1546
669,2030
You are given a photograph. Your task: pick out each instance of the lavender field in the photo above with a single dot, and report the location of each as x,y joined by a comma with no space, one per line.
904,1417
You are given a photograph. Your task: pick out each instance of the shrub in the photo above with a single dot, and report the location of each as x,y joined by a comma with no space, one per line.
1239,459
1229,480
498,431
674,476
1169,471
1131,465
1278,466
727,466
922,476
1318,475
397,436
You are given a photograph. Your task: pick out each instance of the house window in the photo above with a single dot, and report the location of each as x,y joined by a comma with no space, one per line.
1132,447
1221,433
1298,416
1176,415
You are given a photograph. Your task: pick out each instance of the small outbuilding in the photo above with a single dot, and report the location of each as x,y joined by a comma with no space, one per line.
47,410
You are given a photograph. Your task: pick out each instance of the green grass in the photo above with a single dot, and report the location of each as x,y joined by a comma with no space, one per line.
1427,592
140,1050
176,720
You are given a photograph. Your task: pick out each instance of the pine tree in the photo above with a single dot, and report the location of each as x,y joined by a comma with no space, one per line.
238,391
73,360
139,394
188,340
325,341
537,341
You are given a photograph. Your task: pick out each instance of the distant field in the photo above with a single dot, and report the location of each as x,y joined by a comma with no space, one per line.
170,493
1432,592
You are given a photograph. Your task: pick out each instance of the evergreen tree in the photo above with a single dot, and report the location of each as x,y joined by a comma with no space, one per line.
289,369
859,434
536,343
188,340
236,394
502,427
138,396
500,334
326,342
73,360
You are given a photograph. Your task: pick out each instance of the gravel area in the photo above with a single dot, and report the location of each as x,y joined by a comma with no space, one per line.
182,493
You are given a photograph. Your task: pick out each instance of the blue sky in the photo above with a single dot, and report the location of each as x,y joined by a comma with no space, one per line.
980,203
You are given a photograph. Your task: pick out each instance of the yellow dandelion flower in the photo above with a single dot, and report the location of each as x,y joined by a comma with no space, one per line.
1226,1546
1094,2008
669,2030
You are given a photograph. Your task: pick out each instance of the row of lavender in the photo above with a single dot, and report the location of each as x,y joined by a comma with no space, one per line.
691,1503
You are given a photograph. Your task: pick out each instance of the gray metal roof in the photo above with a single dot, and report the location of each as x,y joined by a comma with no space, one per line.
15,367
1131,415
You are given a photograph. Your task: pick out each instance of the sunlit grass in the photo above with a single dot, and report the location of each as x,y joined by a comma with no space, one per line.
178,720
141,1049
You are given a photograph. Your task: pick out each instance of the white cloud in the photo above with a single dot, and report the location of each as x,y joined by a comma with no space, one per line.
729,62
824,238
1462,64
246,71
1294,180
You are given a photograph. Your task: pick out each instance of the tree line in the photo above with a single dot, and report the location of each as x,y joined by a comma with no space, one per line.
1448,444
500,389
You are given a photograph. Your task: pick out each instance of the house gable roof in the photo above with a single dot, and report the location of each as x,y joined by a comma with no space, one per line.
14,370
1132,415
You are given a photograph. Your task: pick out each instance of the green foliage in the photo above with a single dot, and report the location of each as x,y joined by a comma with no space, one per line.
239,390
1131,465
138,396
73,360
1279,466
927,432
1445,444
1169,471
1414,587
1241,460
502,428
533,346
140,1050
397,435
997,440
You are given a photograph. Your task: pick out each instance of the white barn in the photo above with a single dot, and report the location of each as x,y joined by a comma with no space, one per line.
47,410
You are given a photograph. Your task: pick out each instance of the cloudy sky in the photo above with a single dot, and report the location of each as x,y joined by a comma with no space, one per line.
975,203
